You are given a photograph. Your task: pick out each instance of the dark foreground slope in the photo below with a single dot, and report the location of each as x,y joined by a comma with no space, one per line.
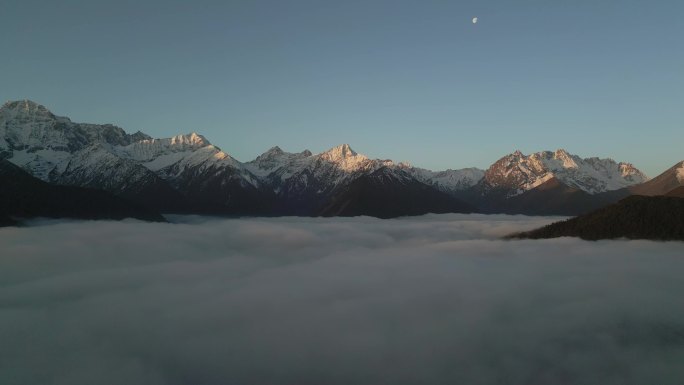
23,196
387,194
635,217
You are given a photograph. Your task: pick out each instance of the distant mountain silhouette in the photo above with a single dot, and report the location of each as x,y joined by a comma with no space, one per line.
635,217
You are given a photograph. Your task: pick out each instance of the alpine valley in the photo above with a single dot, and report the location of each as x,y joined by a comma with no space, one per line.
187,174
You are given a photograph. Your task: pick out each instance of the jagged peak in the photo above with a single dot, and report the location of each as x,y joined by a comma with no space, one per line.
182,142
25,107
343,151
139,135
568,160
561,153
192,138
275,150
680,172
271,153
275,157
25,104
512,158
592,175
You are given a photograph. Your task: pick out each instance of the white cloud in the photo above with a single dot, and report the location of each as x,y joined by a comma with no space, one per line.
435,299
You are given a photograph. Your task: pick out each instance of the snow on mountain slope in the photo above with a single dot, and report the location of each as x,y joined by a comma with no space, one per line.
346,159
41,163
340,165
28,125
97,167
518,173
150,149
304,170
187,150
48,146
304,176
449,181
276,159
57,150
680,173
35,139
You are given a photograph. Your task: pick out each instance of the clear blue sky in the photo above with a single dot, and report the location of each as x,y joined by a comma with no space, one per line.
406,80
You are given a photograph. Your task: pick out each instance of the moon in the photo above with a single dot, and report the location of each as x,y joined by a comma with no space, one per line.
474,20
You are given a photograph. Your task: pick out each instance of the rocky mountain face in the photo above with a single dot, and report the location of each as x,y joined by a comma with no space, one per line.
516,173
551,183
186,173
58,151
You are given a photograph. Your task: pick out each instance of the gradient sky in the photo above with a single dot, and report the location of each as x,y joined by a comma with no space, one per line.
407,80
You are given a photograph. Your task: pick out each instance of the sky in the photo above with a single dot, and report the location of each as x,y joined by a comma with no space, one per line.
412,81
436,299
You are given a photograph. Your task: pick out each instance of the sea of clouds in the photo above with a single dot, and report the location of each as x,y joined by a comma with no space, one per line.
438,299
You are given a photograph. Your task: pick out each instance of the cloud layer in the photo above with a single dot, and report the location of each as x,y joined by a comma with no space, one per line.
430,300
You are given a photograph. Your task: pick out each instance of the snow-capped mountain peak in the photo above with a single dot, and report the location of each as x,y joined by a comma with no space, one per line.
148,149
449,181
273,151
339,153
567,160
680,173
518,173
275,158
185,150
631,173
345,158
35,139
25,108
192,139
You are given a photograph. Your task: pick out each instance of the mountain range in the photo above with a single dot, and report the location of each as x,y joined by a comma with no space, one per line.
187,174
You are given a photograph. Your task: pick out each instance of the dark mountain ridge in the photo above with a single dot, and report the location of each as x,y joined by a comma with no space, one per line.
384,193
23,196
635,217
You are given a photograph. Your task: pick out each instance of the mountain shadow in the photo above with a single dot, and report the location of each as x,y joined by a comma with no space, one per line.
24,196
552,197
387,193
